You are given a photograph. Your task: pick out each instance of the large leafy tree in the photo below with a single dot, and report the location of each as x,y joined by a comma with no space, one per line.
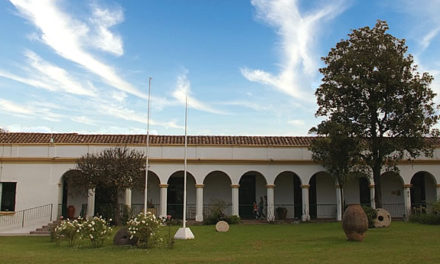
114,169
372,84
339,151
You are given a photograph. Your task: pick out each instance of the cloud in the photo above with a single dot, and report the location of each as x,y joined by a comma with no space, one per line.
55,76
250,105
83,120
183,93
29,110
68,37
297,33
422,16
130,115
104,39
296,122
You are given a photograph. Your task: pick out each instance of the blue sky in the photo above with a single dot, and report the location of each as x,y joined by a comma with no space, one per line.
248,67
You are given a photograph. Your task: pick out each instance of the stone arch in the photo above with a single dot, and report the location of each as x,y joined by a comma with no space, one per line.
392,193
175,195
322,196
252,189
72,194
153,194
423,189
288,193
217,189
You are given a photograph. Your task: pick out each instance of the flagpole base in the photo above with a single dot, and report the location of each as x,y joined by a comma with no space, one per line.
184,233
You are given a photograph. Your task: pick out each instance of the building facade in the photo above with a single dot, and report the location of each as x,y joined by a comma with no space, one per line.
231,170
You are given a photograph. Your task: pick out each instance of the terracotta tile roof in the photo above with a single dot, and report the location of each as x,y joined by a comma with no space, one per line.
74,138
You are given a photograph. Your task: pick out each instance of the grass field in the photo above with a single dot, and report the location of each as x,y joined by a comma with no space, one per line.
263,243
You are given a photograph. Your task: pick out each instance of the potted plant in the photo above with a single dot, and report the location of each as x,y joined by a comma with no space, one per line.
281,213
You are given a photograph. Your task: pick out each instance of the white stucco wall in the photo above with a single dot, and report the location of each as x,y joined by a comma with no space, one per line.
38,171
392,194
325,196
284,193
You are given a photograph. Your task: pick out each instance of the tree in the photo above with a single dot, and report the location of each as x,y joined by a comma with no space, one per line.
339,151
373,86
116,169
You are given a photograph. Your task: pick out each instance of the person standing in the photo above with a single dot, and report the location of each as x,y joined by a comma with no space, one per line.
255,209
261,208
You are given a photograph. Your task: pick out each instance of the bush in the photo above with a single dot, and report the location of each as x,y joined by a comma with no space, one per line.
371,215
423,216
233,219
427,219
95,229
69,230
435,208
216,213
145,228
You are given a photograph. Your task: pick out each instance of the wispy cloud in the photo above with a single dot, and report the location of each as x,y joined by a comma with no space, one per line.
130,115
42,74
104,39
55,76
183,92
298,34
247,104
68,37
423,18
296,122
29,110
83,120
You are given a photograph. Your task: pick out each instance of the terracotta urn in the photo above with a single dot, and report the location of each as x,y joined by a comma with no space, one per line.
355,222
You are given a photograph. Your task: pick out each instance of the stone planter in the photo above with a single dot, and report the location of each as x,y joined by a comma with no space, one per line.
355,222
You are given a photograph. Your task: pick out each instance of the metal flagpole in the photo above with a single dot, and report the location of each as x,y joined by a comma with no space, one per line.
184,232
184,162
148,148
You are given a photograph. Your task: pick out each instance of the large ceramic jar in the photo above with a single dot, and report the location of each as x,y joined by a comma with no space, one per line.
355,222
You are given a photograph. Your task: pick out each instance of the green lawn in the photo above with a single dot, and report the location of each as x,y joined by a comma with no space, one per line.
264,243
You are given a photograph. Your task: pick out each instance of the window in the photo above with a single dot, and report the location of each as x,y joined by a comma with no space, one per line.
8,190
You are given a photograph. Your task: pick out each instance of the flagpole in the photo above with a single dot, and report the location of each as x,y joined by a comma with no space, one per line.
148,149
185,162
185,232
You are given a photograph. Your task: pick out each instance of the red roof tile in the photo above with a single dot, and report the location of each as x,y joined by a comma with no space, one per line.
74,138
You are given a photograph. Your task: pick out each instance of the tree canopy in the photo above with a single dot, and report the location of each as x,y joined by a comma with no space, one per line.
338,150
372,84
115,169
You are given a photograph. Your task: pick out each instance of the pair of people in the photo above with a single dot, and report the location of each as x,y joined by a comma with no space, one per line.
259,209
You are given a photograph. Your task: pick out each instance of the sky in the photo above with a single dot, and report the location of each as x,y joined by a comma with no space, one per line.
246,67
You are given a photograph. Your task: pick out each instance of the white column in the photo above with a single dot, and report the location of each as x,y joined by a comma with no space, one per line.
338,203
305,201
407,199
235,199
163,200
199,202
372,196
59,206
270,215
1,194
128,197
438,192
90,203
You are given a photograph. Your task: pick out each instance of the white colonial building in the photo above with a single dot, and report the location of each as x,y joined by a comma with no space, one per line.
236,170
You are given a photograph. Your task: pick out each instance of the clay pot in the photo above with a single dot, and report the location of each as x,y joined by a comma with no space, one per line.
70,212
355,222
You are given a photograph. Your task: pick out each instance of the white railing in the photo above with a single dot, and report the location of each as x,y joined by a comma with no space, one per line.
26,218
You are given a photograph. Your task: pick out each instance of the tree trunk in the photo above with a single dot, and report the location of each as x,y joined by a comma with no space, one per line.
341,190
116,211
377,187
